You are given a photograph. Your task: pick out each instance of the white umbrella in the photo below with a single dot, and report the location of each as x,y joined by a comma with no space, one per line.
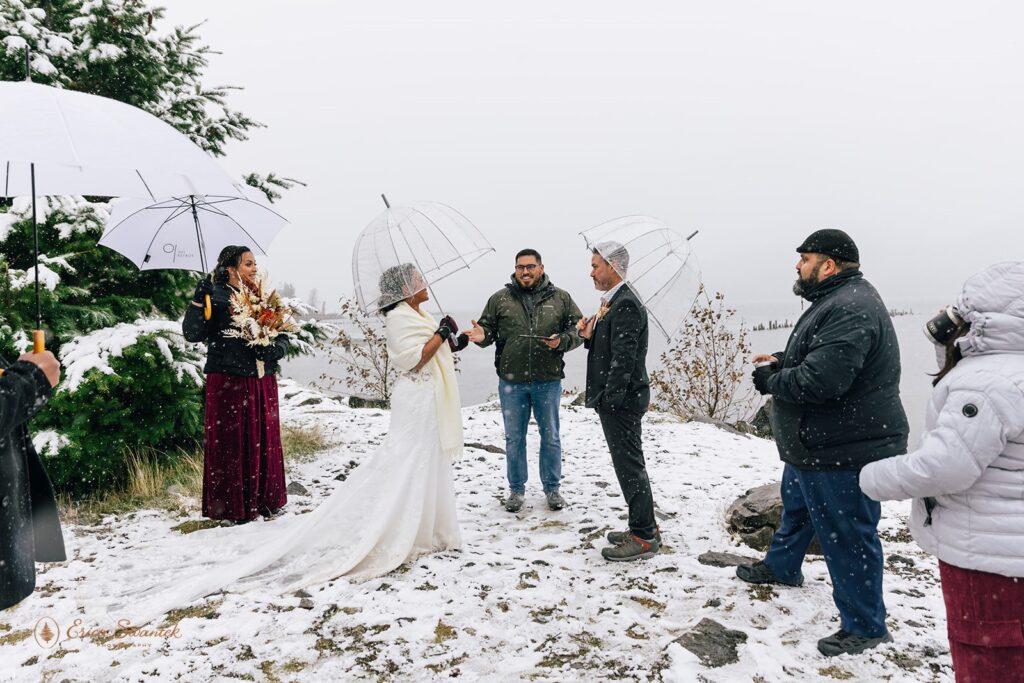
657,263
188,232
76,143
57,141
434,238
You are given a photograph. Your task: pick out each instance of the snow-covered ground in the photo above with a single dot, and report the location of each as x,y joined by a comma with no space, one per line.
529,598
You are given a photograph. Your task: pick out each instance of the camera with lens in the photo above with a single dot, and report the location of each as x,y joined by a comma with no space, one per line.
942,327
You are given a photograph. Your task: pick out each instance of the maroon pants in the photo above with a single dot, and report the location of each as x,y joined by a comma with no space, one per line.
244,464
985,613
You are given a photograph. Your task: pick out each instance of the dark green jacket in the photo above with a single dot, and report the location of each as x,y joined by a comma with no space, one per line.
514,311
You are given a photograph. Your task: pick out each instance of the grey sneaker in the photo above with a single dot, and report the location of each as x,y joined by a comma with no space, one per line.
555,500
514,502
633,548
760,573
617,537
844,643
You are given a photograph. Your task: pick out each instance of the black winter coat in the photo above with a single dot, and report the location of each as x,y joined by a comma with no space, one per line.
29,525
230,355
617,357
837,391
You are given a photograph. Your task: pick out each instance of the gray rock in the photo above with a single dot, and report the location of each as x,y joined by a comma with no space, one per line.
486,447
311,401
718,423
306,603
713,559
714,644
580,400
756,515
368,402
758,540
297,489
760,425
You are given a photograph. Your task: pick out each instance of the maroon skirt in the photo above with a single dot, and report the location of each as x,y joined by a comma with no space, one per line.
243,475
985,616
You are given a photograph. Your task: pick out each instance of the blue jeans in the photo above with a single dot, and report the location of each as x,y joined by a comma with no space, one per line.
518,399
831,505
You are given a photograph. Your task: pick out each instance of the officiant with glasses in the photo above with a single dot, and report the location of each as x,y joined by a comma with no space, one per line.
243,473
532,324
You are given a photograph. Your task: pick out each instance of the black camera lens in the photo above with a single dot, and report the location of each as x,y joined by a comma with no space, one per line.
942,327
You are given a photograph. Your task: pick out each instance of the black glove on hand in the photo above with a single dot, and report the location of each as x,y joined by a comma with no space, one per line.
276,351
462,341
761,376
203,287
447,328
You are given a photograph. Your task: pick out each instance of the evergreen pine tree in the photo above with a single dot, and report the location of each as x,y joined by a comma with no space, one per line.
117,49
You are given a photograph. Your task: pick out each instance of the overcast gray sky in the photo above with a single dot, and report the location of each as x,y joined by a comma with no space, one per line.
756,122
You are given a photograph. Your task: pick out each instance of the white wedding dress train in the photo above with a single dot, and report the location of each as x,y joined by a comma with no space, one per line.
398,504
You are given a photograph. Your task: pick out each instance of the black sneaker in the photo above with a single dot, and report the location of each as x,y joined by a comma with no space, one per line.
617,537
843,643
633,548
760,573
514,502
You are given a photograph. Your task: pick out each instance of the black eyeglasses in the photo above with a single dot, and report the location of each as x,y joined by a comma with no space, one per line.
529,267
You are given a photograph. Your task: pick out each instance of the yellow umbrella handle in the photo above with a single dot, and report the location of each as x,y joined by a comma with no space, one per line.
38,344
208,309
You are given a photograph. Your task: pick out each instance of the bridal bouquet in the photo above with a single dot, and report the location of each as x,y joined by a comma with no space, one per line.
258,315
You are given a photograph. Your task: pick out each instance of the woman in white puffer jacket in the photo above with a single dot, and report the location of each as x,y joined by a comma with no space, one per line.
967,478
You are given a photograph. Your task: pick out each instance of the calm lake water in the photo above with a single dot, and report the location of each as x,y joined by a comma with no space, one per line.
478,382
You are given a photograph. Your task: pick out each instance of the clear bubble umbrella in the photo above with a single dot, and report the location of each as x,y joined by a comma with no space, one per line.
656,261
408,248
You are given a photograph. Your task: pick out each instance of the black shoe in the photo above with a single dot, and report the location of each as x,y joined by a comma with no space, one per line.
619,537
555,500
633,548
514,502
760,573
844,643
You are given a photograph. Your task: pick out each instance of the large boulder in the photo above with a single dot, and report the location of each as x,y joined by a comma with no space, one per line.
756,515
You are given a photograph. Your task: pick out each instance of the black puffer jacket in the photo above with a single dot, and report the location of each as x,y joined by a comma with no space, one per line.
230,355
837,392
29,525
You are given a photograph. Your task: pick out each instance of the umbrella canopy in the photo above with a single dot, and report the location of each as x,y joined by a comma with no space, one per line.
430,238
76,143
656,262
188,233
57,141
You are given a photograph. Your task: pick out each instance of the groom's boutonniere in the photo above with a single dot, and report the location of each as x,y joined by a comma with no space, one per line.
601,312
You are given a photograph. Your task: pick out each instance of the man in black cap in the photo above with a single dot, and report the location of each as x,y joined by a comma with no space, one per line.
836,407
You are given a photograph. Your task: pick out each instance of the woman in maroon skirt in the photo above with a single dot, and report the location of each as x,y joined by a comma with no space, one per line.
244,465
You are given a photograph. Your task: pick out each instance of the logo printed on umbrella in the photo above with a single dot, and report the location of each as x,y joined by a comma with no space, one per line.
170,248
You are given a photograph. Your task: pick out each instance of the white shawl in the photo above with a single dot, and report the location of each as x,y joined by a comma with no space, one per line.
407,331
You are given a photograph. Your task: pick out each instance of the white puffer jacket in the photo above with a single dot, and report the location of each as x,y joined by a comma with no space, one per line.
971,458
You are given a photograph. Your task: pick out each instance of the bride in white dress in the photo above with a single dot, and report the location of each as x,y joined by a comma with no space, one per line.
397,505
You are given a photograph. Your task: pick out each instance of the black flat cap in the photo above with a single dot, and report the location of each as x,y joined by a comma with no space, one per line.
831,242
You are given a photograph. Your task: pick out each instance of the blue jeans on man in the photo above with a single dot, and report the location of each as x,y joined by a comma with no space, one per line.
518,401
832,505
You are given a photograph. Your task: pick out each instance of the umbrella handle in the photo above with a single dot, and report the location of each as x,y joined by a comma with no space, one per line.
38,344
207,308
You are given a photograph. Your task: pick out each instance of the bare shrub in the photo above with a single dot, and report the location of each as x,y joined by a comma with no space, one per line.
702,373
